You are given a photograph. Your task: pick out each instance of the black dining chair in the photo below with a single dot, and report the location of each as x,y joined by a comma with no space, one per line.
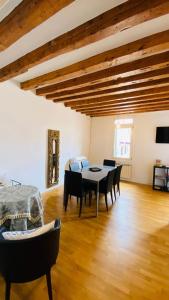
90,186
109,162
74,186
116,181
85,163
74,166
106,185
26,260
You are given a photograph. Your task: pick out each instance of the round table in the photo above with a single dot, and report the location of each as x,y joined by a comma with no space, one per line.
22,204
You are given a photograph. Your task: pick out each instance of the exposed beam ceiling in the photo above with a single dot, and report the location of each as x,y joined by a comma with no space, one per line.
121,81
128,103
104,89
155,43
109,103
26,16
130,78
139,66
128,111
151,91
143,108
135,104
132,12
121,89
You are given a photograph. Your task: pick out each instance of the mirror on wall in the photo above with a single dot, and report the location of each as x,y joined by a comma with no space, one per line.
53,158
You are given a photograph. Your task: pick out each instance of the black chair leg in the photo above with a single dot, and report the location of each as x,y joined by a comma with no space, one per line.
106,201
85,199
111,196
80,210
90,198
77,200
66,202
8,287
114,189
48,279
118,185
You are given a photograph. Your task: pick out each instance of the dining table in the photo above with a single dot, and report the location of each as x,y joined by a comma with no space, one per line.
21,207
96,177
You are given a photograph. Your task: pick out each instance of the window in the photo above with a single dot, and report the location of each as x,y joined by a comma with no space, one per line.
123,138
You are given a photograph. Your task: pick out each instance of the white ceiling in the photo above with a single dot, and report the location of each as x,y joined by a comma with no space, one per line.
70,17
6,6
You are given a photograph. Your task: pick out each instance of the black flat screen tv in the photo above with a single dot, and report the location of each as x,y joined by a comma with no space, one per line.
162,135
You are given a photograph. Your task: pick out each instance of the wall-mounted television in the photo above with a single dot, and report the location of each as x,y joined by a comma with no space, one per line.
162,135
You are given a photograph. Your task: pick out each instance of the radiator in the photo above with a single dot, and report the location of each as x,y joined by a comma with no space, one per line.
126,173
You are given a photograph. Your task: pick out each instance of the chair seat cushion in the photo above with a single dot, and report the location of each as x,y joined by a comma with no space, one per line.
27,234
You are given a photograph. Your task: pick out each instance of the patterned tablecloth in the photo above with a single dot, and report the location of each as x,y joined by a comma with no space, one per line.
22,204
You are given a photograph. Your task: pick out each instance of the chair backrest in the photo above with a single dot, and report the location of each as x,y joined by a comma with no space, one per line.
73,183
117,174
29,259
109,162
74,166
109,180
85,163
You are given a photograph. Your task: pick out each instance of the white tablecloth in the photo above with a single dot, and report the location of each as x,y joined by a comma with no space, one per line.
21,203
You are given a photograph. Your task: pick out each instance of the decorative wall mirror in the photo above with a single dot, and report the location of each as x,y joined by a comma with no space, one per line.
53,158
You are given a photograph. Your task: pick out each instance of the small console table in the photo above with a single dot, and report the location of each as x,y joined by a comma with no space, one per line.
161,178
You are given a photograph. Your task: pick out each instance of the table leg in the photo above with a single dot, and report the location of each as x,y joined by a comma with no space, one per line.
97,199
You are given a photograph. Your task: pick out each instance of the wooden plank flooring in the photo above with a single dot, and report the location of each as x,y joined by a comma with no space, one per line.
121,255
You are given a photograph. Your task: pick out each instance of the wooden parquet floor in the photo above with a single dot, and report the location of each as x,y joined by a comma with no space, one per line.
121,255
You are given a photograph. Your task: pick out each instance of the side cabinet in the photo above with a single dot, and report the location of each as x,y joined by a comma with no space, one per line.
161,178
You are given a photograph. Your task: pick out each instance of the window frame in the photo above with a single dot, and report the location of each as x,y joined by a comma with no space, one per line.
123,125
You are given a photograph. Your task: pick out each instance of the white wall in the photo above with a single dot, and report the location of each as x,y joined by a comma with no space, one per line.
145,150
24,121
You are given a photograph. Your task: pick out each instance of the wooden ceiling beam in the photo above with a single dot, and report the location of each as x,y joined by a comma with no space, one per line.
132,111
130,13
139,66
123,105
145,108
155,43
152,91
143,77
132,85
26,16
121,89
158,97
